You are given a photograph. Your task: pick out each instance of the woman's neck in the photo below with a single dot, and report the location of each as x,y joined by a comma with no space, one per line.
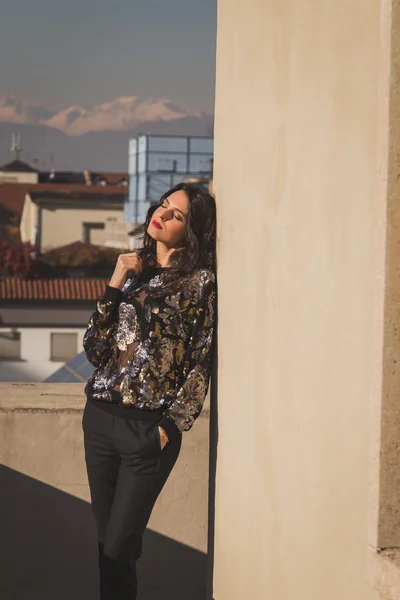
163,254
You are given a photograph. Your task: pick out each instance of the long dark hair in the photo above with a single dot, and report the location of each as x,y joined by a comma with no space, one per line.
199,243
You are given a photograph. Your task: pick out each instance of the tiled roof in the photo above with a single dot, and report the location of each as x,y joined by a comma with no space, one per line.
82,177
75,192
18,166
75,188
110,177
69,177
12,288
75,250
12,195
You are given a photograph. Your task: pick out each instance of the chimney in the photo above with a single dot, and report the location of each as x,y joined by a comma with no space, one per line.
88,176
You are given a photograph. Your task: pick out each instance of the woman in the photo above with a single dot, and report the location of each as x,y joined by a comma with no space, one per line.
150,340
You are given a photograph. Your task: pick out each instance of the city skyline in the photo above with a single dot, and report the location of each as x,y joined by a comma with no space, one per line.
89,53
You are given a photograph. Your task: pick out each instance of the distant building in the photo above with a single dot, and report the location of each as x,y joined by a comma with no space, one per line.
86,177
56,215
17,179
42,324
18,171
157,163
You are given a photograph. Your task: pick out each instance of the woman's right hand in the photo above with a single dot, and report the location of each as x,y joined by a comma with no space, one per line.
125,263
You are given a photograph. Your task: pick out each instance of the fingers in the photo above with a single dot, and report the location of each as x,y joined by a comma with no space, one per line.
131,261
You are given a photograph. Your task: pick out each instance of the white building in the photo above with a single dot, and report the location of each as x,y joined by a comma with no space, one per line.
57,215
42,324
18,171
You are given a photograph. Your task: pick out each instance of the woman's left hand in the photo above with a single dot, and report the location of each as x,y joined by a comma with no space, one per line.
163,437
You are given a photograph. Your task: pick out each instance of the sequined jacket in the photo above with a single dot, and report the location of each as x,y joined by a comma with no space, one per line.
152,341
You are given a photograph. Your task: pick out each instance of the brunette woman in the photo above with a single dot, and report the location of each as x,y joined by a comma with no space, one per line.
150,339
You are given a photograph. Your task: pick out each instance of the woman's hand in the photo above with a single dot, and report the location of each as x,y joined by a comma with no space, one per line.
163,437
125,263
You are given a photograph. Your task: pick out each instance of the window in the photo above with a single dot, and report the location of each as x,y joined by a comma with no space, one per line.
167,164
10,345
63,346
87,230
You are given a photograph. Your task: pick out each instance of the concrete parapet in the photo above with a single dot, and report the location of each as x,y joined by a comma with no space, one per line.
48,545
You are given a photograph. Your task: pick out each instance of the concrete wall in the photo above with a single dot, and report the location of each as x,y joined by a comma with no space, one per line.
384,497
45,518
63,226
296,95
35,363
29,221
117,234
17,177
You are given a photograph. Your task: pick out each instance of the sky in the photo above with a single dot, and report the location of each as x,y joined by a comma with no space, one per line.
64,52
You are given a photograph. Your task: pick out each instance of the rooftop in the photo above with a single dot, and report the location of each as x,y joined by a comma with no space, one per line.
60,191
13,288
18,166
12,195
83,177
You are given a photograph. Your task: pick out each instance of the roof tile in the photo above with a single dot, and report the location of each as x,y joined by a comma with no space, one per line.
12,288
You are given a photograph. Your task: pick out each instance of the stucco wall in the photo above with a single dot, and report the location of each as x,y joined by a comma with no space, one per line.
35,363
296,187
49,545
29,218
63,226
17,177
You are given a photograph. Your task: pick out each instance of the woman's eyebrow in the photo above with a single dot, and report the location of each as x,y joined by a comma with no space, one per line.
176,208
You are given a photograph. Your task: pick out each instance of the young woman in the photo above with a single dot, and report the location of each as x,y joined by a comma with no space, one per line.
150,340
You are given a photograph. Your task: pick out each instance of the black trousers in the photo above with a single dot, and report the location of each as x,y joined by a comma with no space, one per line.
126,470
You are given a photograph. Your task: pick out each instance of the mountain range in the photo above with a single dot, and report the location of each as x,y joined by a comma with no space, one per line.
91,137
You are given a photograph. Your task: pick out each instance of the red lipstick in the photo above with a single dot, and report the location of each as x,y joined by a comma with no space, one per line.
156,224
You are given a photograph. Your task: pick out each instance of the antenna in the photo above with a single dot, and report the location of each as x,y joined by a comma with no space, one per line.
16,145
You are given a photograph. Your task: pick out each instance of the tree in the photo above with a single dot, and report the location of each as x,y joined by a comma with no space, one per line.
19,259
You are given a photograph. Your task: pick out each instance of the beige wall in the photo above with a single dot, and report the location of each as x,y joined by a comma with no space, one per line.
46,519
17,177
28,224
63,226
296,187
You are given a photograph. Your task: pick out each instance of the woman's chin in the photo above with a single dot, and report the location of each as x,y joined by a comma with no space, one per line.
153,233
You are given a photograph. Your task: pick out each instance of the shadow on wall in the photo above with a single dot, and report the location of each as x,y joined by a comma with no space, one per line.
48,549
21,371
212,469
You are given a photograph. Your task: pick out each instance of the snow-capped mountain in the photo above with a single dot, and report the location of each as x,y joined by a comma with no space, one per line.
122,113
15,110
94,138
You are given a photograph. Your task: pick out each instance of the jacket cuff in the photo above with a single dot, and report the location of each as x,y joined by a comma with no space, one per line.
112,294
170,428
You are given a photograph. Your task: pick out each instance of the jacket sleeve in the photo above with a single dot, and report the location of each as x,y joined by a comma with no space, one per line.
189,401
101,327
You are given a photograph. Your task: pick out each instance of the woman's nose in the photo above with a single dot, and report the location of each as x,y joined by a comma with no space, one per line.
165,215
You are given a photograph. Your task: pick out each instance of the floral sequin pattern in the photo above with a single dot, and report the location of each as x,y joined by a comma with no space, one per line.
153,341
155,283
128,329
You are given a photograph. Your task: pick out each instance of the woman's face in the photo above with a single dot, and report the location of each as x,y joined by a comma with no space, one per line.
169,221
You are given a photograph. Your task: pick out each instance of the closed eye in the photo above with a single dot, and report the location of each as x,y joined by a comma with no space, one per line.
177,214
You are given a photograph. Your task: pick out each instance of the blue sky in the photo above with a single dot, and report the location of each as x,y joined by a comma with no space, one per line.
64,52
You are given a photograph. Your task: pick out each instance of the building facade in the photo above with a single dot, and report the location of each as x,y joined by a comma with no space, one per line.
57,215
42,324
33,353
156,163
18,171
